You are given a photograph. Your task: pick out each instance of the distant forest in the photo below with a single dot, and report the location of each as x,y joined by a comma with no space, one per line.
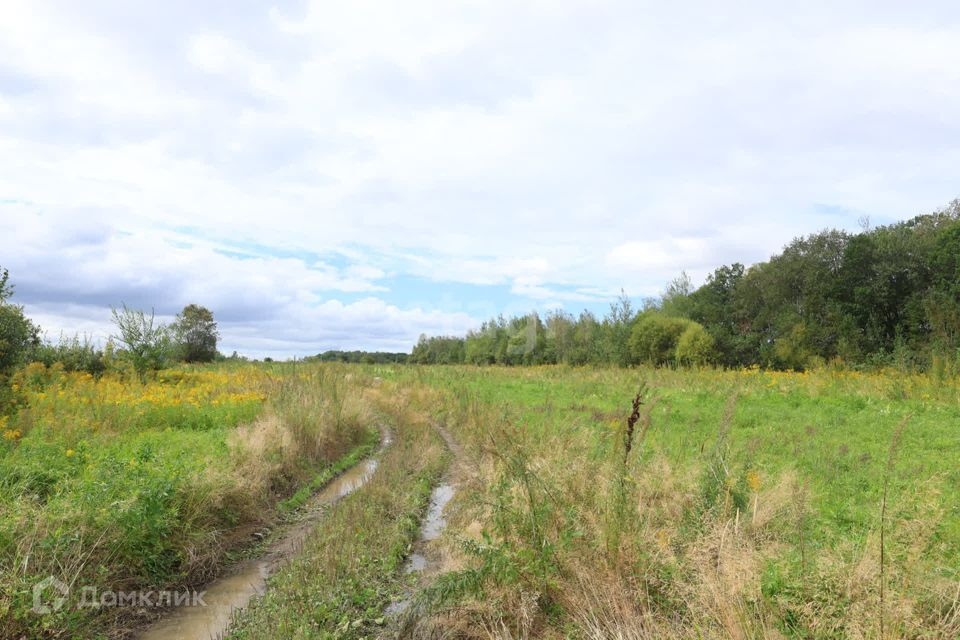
364,357
887,296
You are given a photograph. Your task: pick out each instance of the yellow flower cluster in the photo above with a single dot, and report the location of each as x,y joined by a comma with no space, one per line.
175,398
8,434
887,384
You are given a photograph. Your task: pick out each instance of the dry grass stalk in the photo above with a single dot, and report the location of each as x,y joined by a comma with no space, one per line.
894,445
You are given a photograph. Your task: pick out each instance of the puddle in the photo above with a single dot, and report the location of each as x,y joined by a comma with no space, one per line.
433,525
231,593
223,598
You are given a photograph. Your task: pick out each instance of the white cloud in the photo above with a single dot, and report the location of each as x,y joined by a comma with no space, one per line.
211,52
557,150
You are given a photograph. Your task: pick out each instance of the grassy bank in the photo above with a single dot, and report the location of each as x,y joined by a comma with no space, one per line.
339,585
127,486
747,505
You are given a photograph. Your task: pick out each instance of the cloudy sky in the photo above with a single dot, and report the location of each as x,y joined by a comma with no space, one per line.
350,174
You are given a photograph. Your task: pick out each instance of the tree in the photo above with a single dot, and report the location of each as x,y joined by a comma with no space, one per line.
675,300
695,346
195,332
481,345
18,335
147,344
617,327
560,327
585,347
438,350
887,295
6,289
74,354
716,306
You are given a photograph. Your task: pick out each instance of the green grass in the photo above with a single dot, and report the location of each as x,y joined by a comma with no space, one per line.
557,537
304,493
349,569
118,485
831,431
837,439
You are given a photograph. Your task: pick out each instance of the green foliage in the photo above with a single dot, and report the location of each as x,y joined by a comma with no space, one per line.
617,327
74,354
126,486
888,296
6,288
695,346
362,357
438,350
521,546
791,351
340,582
147,344
655,336
19,338
18,335
523,340
675,300
773,475
195,333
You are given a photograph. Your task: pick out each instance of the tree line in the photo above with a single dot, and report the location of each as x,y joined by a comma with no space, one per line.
886,296
140,342
359,357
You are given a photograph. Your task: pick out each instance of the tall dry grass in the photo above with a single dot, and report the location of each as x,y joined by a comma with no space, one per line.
562,537
146,505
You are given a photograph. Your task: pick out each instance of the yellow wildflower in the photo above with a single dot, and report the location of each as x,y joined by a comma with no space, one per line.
753,481
663,539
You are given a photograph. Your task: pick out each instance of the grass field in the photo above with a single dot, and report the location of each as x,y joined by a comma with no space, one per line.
127,486
749,506
737,504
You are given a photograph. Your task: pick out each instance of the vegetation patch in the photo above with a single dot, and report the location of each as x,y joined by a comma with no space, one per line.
349,568
741,504
122,485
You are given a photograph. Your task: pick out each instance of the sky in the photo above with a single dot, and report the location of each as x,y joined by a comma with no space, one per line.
337,175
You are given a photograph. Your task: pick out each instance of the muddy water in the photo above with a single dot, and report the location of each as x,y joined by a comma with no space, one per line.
433,525
233,592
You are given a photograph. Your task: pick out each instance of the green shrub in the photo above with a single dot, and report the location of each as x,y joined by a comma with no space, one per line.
75,354
654,338
695,346
659,339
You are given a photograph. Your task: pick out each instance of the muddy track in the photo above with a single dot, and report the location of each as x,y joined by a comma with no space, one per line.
426,560
233,592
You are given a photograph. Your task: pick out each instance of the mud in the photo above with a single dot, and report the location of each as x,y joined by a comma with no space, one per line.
421,561
233,592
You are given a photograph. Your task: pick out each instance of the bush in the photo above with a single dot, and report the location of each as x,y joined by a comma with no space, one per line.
18,336
146,343
790,351
654,338
695,346
74,354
